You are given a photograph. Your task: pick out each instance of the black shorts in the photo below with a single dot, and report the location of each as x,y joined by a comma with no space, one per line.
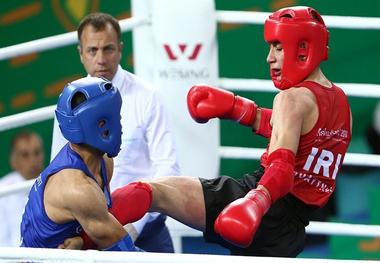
281,232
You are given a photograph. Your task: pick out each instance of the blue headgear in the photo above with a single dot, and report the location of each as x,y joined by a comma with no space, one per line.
81,124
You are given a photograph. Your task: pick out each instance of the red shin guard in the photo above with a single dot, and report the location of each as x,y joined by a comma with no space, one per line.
279,175
131,202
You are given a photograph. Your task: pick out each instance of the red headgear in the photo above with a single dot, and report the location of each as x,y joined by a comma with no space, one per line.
304,38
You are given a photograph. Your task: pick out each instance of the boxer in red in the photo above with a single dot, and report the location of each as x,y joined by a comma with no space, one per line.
308,129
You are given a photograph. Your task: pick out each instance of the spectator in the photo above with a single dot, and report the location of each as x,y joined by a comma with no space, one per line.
27,161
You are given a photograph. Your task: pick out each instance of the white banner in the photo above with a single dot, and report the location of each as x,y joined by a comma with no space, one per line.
177,51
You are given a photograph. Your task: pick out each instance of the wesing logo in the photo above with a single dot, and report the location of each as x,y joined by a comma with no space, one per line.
183,55
192,55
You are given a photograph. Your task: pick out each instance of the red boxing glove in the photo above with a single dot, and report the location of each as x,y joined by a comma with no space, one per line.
238,222
205,102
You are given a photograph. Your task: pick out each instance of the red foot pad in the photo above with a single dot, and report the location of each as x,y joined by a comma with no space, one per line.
87,241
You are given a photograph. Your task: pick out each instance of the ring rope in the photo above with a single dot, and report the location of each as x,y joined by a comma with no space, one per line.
351,89
61,40
12,254
28,117
229,152
15,188
243,17
319,228
342,22
46,113
353,159
343,229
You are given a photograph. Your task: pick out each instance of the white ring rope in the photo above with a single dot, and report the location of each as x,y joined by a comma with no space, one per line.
28,117
351,89
228,152
314,228
347,22
21,187
62,40
353,159
342,22
327,228
318,228
94,256
45,113
254,153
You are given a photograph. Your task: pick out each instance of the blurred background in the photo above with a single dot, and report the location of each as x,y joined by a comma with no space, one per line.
36,80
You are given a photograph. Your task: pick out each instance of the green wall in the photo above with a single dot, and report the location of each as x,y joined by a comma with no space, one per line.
36,80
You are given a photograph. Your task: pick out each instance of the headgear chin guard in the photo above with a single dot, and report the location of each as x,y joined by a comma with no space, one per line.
304,38
96,121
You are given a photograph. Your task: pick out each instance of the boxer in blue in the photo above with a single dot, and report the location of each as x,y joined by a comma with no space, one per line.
72,193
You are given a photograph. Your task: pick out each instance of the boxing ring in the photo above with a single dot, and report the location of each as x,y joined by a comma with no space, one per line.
177,230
